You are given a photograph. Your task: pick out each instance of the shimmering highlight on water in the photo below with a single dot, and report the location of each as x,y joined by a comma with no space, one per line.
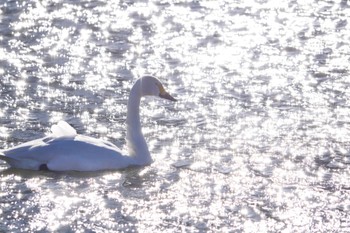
259,140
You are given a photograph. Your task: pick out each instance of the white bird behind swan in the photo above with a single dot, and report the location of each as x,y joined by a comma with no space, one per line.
65,150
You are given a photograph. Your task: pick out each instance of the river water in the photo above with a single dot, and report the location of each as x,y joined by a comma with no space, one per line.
259,140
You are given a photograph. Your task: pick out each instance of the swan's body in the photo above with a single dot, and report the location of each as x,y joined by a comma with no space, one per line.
65,150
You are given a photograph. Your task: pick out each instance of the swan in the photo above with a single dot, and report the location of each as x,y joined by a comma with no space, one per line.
65,150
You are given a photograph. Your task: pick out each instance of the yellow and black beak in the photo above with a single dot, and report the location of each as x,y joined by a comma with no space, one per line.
166,95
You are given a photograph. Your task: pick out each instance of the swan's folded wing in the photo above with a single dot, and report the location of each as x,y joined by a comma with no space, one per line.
63,129
97,142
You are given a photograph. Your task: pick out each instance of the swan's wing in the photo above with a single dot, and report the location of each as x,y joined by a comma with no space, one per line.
63,129
97,142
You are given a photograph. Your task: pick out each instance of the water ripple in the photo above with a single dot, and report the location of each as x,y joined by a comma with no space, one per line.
258,141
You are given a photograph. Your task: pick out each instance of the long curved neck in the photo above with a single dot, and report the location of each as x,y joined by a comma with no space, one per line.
135,141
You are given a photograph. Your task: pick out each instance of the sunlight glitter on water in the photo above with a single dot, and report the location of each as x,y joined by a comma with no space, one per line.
258,141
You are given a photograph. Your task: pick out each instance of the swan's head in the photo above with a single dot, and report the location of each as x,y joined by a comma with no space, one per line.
152,86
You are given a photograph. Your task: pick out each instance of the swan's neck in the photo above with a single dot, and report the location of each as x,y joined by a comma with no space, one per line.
135,141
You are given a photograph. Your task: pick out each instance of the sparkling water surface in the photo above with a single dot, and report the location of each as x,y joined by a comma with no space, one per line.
259,140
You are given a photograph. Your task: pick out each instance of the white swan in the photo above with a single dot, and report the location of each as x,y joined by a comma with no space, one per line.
65,150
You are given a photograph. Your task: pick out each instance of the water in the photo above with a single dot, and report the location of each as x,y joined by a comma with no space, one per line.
259,140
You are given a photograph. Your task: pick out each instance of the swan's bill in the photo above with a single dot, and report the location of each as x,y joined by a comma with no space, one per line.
163,94
166,95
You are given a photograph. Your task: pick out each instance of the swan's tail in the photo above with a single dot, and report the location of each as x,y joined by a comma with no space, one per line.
11,161
21,163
